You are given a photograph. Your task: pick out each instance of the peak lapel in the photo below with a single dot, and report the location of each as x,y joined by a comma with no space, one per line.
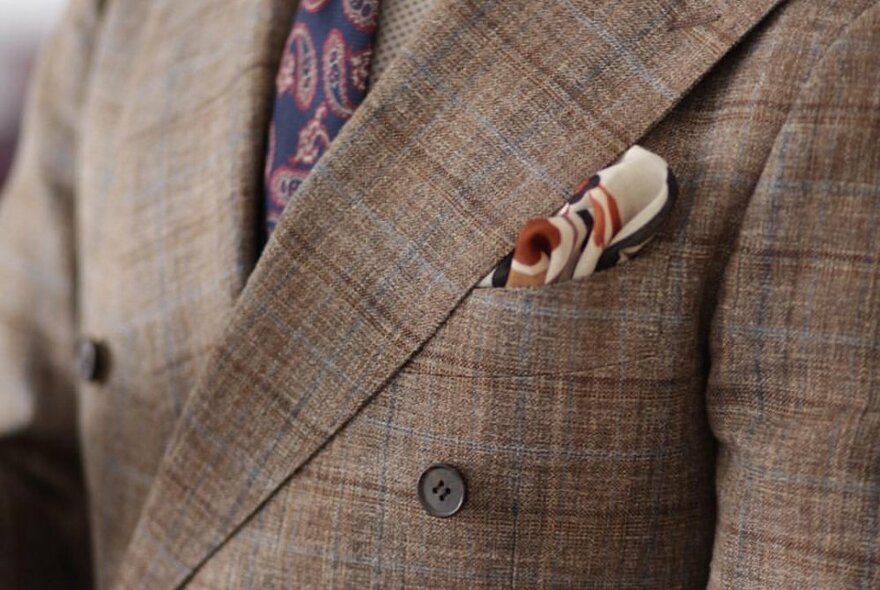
490,117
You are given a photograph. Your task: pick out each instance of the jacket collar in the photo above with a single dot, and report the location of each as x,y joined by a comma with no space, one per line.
491,115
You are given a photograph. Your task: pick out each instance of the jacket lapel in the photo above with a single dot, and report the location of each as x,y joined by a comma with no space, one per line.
491,116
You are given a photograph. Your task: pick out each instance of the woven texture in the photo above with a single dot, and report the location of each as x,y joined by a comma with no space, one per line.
399,20
705,414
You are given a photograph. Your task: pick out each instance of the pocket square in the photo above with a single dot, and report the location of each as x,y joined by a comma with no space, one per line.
611,216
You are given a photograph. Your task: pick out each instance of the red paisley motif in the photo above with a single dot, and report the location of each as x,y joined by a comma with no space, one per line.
314,5
283,184
306,73
335,62
360,69
285,79
270,156
313,139
363,14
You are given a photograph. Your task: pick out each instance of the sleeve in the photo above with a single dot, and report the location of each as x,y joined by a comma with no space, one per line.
44,539
794,389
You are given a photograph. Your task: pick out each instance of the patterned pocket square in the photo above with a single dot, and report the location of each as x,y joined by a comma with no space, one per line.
610,217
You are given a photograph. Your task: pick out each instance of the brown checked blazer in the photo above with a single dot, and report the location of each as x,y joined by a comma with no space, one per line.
706,415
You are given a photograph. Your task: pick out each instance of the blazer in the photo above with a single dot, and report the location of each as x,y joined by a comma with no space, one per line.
704,415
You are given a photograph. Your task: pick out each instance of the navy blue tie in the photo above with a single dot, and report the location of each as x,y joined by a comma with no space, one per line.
321,81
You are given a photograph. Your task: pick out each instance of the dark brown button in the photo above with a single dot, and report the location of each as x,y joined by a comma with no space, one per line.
442,490
91,359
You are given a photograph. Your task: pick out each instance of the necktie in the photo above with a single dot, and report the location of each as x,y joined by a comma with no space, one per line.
321,81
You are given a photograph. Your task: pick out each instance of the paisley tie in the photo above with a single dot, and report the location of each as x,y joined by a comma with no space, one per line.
321,81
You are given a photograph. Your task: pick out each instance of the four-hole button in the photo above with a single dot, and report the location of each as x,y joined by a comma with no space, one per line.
442,490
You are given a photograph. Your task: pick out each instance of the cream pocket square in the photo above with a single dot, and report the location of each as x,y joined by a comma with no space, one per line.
610,217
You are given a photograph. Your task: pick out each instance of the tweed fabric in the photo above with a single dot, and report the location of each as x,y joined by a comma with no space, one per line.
794,392
44,535
264,424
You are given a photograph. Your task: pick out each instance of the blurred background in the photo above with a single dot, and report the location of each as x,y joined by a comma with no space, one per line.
23,26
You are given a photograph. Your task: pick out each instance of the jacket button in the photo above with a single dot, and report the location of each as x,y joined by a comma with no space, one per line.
91,358
442,490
